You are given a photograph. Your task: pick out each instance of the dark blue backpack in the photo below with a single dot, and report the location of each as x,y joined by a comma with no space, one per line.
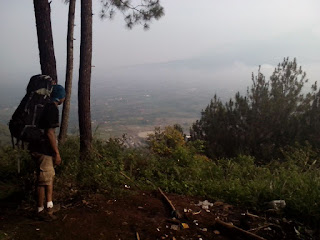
24,121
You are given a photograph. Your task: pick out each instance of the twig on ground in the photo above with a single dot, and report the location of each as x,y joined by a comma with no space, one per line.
137,235
252,215
259,228
175,212
64,217
237,231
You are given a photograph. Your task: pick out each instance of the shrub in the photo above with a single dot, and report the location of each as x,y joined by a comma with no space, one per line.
238,180
274,113
165,142
12,181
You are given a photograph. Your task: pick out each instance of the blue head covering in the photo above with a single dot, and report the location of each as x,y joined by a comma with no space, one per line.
58,93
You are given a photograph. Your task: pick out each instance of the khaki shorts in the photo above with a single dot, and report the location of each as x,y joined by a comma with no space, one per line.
45,173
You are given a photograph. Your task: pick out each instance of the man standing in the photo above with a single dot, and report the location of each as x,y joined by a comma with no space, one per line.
46,154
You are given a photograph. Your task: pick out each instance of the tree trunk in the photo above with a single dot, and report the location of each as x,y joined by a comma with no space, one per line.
45,40
69,73
85,78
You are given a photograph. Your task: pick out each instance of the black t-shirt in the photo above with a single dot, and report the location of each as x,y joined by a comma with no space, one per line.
49,119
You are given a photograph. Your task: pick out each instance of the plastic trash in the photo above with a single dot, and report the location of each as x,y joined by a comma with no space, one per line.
204,204
277,204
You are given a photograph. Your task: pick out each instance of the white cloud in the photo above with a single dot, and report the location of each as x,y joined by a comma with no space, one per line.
187,30
316,31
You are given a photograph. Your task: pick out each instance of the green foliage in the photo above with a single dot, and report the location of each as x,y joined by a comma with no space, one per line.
101,170
9,159
165,142
183,170
274,114
68,170
179,128
141,13
12,182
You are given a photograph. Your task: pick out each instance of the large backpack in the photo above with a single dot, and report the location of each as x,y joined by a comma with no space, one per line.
24,121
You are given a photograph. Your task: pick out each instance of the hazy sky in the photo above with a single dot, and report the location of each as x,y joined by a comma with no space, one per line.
236,35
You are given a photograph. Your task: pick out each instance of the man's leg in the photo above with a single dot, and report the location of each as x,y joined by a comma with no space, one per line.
49,191
41,194
46,176
43,214
51,208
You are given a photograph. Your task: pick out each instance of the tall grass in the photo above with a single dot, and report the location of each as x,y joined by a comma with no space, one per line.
295,178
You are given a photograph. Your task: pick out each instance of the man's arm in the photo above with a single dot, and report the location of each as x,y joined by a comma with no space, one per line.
53,142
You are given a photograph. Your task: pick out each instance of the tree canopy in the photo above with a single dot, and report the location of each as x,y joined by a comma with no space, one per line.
273,114
141,13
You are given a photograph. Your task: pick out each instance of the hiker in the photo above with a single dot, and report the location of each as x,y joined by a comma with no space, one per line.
46,154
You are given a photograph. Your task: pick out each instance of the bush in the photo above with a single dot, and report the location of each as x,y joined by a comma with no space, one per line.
12,181
165,142
238,180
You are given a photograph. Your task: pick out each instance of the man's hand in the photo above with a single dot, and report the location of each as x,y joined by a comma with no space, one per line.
57,159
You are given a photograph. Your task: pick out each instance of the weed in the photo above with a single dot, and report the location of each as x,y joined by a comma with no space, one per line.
177,166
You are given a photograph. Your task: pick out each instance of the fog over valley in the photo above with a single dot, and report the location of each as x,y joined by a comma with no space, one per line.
168,74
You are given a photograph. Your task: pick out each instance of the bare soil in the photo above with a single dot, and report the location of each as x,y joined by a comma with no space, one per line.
143,215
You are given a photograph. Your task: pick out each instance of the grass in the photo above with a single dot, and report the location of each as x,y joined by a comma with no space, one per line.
179,167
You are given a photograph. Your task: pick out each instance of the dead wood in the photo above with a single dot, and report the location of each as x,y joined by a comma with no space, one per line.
137,235
175,212
261,227
252,215
237,231
65,216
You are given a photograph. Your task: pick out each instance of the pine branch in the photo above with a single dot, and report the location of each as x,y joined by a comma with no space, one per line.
140,14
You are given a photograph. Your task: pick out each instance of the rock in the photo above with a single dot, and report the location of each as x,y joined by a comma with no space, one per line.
175,227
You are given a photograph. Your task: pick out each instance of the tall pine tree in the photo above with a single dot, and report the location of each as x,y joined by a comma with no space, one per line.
275,113
45,40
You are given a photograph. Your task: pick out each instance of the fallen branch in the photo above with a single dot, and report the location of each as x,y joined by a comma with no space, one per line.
175,212
237,231
137,235
252,215
64,217
259,228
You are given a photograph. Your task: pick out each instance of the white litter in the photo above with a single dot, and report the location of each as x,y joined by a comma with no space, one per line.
204,204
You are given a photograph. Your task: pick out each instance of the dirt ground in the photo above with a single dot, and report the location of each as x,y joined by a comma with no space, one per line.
145,215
